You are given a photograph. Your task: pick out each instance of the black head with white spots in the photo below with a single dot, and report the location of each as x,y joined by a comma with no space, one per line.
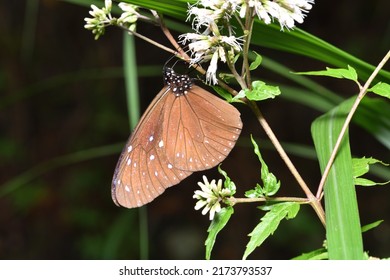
179,84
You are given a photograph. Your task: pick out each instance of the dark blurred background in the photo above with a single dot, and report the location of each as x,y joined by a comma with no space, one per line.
62,92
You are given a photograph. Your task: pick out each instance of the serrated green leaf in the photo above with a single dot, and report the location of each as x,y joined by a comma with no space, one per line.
319,254
256,63
339,73
270,184
261,91
217,224
382,89
269,223
371,226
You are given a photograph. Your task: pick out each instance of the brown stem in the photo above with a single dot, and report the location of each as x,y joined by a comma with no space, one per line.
314,202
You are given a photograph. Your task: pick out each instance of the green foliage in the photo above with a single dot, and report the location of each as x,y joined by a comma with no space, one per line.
382,89
270,184
342,214
227,183
371,226
360,167
217,224
319,254
349,74
260,91
269,223
256,63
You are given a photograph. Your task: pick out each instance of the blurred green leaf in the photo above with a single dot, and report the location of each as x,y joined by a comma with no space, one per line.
371,225
256,63
319,254
382,89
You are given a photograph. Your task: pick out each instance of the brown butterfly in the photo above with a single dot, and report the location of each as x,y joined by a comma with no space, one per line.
184,129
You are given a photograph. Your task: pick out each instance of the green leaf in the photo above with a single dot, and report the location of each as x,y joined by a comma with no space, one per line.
256,63
382,89
271,184
364,182
217,224
257,192
319,254
361,166
269,223
342,214
339,73
371,226
261,91
223,93
237,98
228,183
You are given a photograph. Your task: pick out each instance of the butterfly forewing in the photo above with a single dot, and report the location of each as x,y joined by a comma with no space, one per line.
202,130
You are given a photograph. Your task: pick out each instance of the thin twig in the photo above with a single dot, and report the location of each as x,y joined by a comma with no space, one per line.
301,200
315,203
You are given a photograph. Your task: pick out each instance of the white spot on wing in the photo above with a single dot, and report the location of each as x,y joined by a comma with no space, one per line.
151,157
127,188
129,161
151,138
129,148
170,166
161,143
156,173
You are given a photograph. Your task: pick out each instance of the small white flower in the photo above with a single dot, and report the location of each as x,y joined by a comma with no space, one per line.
100,19
210,196
206,47
211,74
211,11
129,16
287,12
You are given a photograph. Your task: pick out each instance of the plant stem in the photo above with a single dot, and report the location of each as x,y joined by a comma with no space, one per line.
301,200
355,105
248,35
315,203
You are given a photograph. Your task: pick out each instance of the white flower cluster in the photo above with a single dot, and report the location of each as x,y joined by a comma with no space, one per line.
211,16
210,196
285,11
102,18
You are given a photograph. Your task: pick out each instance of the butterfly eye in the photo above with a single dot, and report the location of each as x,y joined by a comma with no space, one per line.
186,129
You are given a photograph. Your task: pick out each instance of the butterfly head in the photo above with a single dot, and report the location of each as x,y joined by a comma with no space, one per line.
179,84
